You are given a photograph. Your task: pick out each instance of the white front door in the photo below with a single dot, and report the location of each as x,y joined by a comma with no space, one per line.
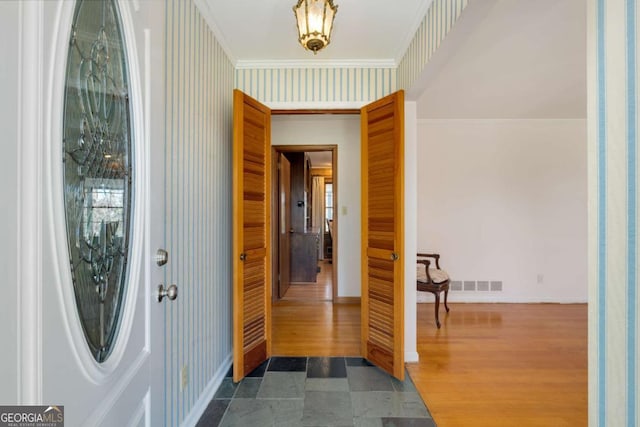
58,366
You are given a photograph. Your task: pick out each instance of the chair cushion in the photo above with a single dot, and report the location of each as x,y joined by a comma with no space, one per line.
437,276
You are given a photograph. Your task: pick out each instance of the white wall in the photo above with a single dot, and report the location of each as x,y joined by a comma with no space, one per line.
410,238
505,200
343,131
8,215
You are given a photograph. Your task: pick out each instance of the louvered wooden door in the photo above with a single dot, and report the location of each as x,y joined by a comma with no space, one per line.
382,125
251,234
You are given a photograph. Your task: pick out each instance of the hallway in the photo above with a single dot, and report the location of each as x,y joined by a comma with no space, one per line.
322,290
307,328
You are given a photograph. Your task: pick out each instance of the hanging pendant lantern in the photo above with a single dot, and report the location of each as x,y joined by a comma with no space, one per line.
315,22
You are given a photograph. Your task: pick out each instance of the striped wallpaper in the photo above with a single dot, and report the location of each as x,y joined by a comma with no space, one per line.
435,26
198,119
613,212
316,84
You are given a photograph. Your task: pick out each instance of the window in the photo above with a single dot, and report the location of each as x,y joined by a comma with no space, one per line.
98,171
328,204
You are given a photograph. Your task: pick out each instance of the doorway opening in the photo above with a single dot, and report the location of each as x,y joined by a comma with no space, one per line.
304,227
373,214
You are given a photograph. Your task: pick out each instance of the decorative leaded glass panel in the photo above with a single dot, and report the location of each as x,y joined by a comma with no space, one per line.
97,169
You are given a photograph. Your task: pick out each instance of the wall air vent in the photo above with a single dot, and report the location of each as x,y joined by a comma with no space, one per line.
483,285
456,285
479,285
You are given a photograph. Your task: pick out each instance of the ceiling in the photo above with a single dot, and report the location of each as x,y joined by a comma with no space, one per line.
503,58
364,30
509,59
320,159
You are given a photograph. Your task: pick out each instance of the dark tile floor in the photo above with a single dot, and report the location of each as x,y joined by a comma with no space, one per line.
317,391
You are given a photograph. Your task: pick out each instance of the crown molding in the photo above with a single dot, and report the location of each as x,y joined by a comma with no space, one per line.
209,16
207,13
411,33
312,63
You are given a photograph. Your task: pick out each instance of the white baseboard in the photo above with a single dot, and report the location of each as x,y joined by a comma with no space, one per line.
489,299
207,394
411,357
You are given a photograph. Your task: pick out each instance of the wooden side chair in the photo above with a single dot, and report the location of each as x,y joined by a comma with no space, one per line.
434,280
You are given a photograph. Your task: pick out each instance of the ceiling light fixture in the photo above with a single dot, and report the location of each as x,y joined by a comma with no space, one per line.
315,21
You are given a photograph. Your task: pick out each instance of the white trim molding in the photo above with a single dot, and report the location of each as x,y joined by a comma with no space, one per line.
30,140
413,29
411,357
315,64
208,15
207,394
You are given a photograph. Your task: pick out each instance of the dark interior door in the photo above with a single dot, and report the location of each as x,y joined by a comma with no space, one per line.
284,226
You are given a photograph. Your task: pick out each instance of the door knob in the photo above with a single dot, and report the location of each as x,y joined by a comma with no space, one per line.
394,256
171,292
243,256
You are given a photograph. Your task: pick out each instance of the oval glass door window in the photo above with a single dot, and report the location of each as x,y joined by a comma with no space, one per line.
97,156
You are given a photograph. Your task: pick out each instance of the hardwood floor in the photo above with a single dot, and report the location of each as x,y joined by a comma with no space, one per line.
322,290
504,364
489,364
307,328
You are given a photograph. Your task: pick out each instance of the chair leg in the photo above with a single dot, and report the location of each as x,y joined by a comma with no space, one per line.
437,294
446,293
